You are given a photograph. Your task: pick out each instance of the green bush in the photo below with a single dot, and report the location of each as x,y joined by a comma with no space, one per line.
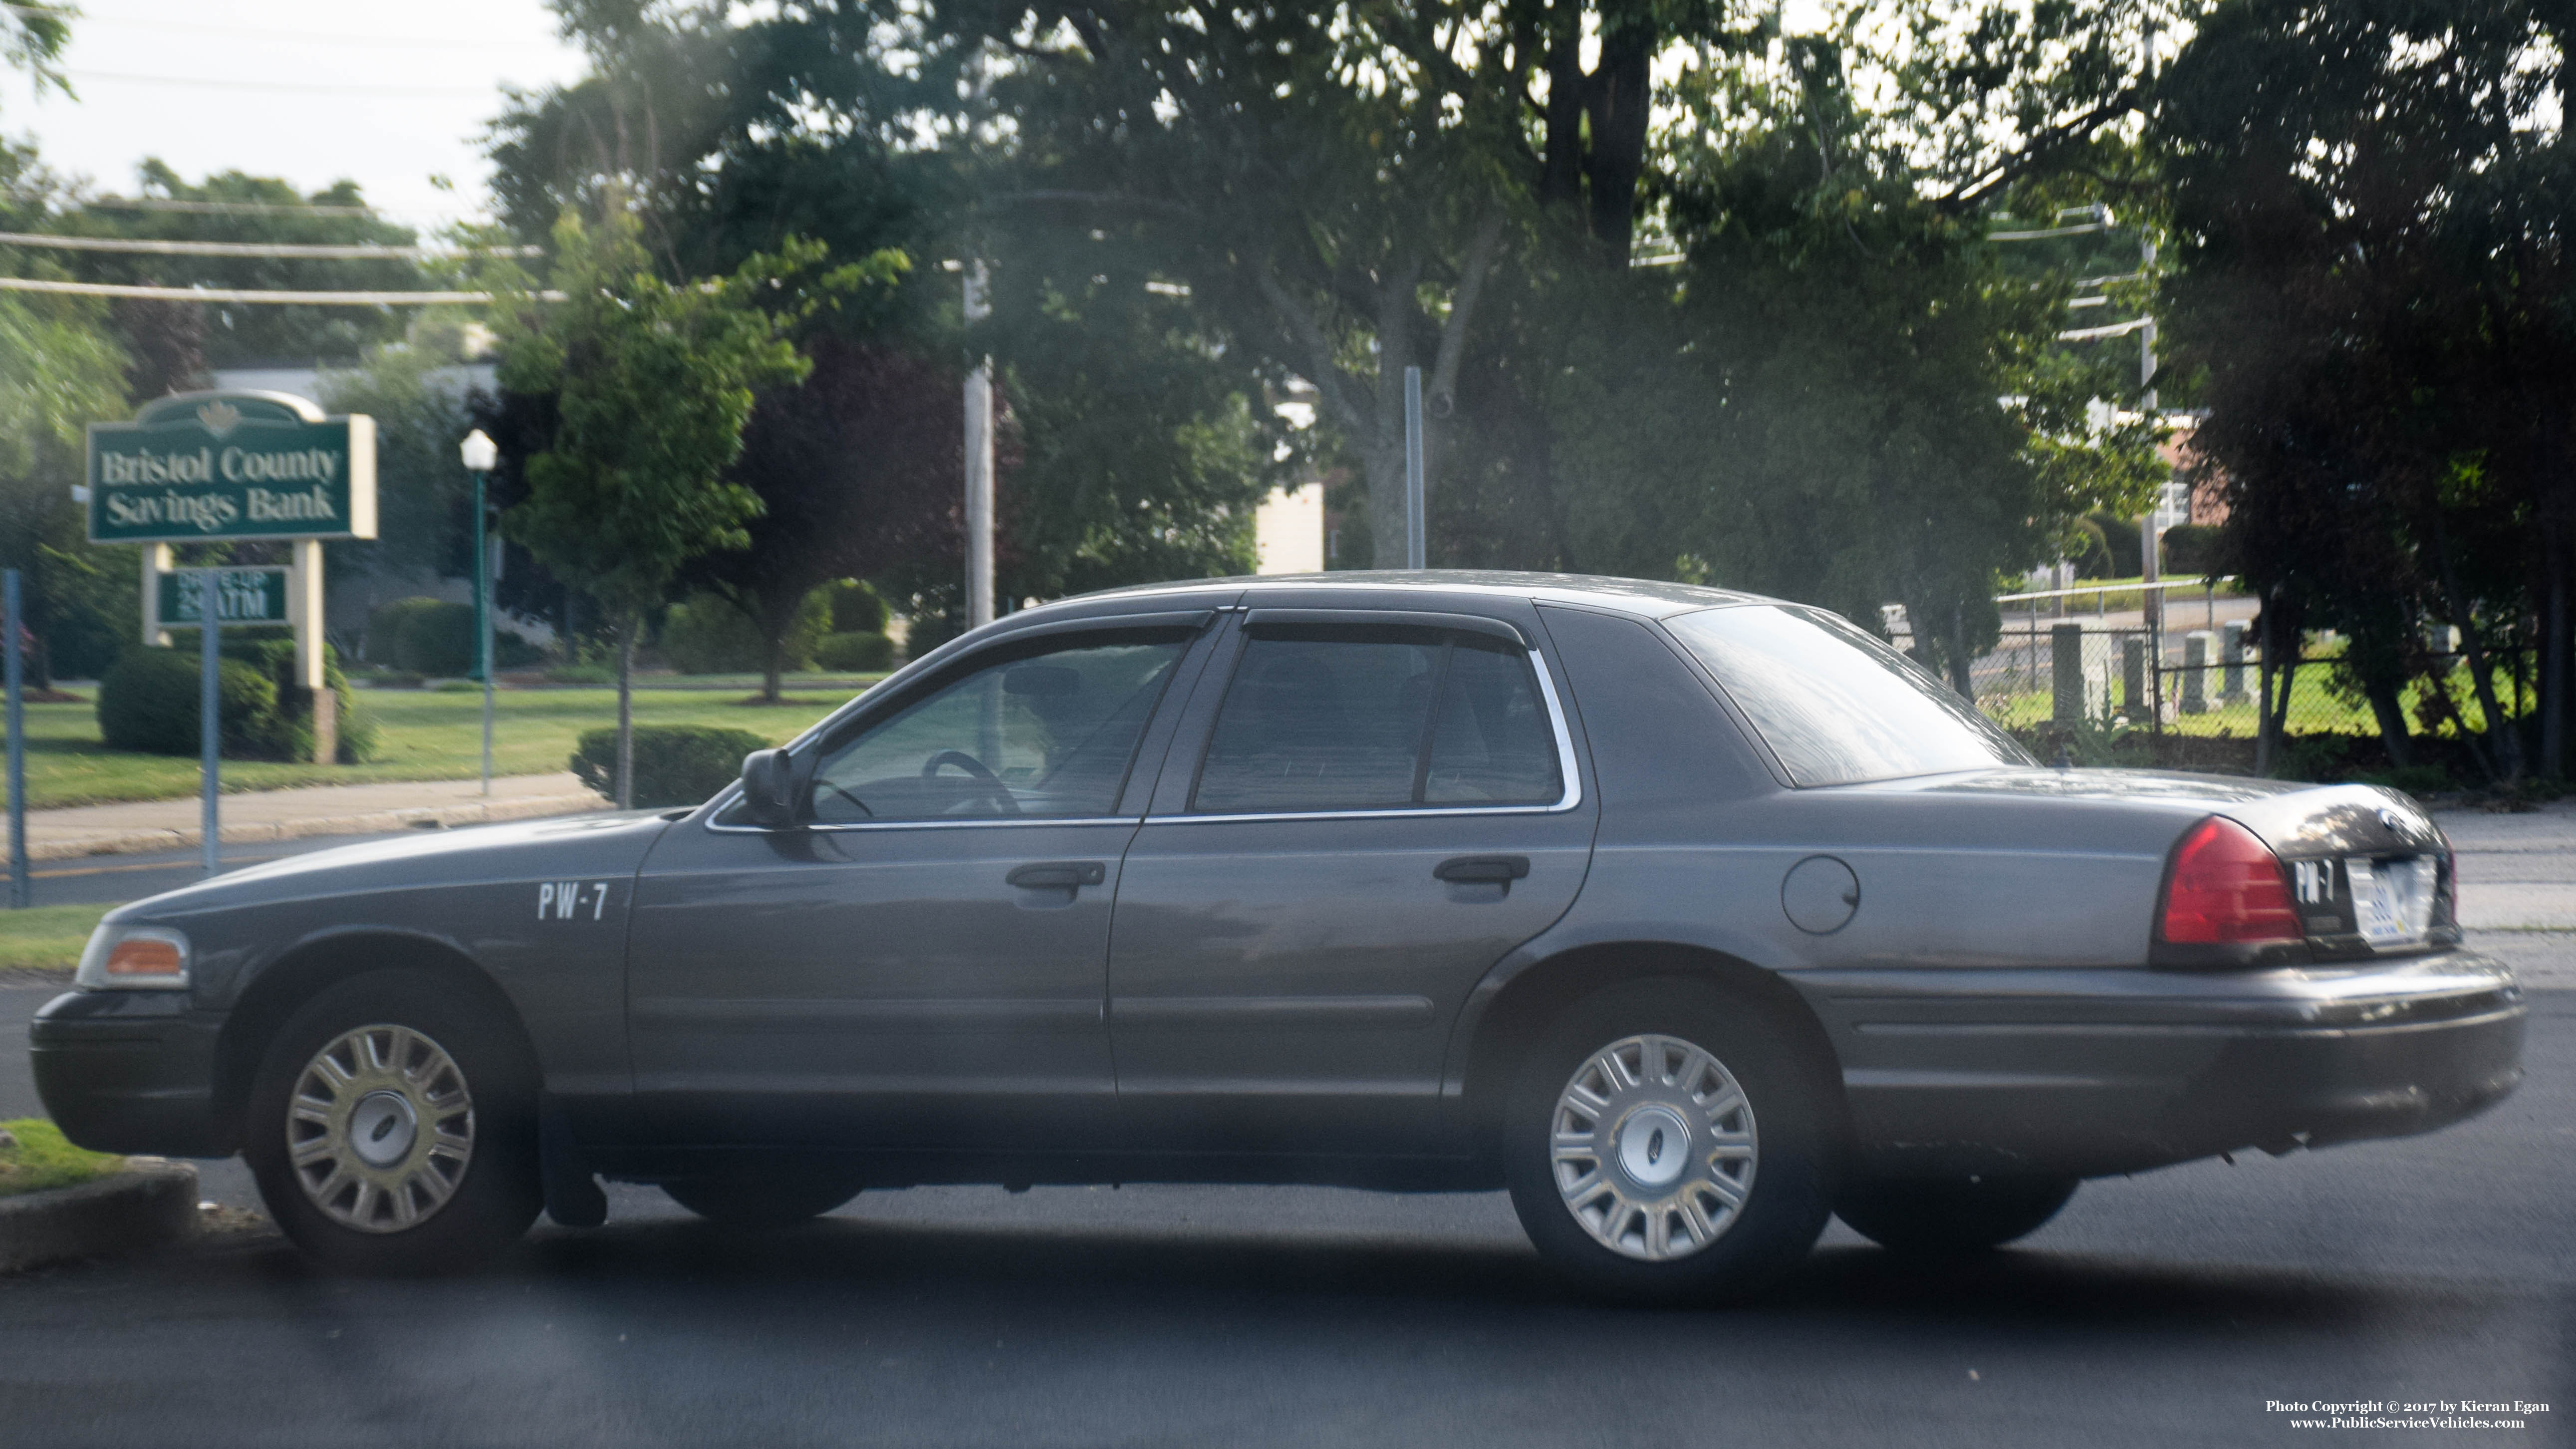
386,627
706,634
674,764
438,641
513,650
424,636
148,702
856,609
2120,541
854,653
2195,548
149,699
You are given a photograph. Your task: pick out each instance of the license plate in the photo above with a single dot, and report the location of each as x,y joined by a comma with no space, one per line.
2392,900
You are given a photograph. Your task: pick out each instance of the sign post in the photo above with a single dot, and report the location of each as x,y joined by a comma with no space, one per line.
17,680
210,724
221,467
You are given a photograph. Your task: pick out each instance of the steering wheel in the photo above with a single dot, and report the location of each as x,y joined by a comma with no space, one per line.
993,786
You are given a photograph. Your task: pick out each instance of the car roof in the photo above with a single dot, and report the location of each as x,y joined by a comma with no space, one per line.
1644,598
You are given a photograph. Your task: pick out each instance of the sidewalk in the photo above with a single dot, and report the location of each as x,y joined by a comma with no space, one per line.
2518,888
255,815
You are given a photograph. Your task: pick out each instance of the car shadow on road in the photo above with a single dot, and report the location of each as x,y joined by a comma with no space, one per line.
1198,1271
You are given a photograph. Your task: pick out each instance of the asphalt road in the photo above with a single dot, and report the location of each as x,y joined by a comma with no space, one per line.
2161,1310
114,879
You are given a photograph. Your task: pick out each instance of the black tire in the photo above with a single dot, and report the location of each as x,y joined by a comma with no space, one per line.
489,1202
759,1204
1786,1187
1951,1216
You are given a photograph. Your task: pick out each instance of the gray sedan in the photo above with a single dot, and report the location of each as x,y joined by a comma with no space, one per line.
1687,916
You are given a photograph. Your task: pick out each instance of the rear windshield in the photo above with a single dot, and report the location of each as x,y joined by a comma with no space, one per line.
1836,705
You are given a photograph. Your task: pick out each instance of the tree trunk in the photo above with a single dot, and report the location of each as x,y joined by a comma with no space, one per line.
2503,748
1958,650
2391,715
626,626
2553,661
2263,733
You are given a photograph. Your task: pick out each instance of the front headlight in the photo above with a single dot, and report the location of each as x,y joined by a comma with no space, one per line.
133,958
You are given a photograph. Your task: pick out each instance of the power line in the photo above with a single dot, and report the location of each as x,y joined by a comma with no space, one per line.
299,87
226,208
255,33
316,251
275,298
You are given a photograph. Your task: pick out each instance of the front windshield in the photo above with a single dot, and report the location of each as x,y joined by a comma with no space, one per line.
1836,705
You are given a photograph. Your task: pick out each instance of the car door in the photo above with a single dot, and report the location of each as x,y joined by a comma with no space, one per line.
1364,811
920,962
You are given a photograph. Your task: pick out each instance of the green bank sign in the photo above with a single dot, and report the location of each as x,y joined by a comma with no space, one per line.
242,596
210,465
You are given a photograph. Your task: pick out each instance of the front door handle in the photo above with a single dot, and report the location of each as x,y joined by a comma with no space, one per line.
1483,869
1058,875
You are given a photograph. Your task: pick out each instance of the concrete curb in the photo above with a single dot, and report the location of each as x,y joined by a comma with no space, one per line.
478,812
150,1204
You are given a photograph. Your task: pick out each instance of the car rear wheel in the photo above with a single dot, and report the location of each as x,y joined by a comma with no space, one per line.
1932,1216
757,1203
1664,1143
392,1127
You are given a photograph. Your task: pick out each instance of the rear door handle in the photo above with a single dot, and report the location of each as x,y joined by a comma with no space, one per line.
1058,875
1483,869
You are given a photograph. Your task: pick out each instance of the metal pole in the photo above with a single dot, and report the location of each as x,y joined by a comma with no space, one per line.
979,465
17,680
1416,550
209,718
483,620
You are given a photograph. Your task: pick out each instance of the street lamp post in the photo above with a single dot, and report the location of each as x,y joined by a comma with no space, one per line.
481,454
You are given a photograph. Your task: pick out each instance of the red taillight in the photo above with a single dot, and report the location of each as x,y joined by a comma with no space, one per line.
2228,886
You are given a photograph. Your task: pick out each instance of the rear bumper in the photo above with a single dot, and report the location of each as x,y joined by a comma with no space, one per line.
2092,1072
130,1071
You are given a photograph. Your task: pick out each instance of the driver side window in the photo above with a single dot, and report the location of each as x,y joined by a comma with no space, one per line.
1043,732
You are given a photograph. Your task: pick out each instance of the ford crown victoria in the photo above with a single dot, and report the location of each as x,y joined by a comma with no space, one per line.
1688,917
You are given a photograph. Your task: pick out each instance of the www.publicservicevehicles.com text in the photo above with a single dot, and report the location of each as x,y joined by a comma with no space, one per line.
2404,1414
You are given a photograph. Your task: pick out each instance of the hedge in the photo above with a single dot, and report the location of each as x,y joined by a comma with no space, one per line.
854,653
148,702
674,764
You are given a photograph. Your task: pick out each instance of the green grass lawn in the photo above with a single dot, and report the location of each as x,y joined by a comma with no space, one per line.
44,938
420,735
2315,707
42,1159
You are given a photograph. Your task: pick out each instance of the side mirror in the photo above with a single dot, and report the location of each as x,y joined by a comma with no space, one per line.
769,789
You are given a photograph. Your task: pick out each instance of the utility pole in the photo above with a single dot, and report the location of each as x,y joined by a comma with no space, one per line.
1417,552
979,464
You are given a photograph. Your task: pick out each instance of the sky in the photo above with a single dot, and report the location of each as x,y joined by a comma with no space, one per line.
388,95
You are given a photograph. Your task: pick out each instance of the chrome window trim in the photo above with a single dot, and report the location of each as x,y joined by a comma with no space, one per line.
1565,764
838,826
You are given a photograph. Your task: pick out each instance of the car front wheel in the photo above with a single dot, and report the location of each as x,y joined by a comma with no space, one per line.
1664,1143
1935,1216
392,1127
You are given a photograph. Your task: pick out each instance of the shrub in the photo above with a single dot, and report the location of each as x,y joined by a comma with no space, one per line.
854,653
707,634
148,702
2120,538
674,764
2196,548
438,641
856,609
386,627
514,650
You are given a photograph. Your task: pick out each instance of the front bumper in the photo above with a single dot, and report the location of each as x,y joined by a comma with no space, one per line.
130,1071
2093,1072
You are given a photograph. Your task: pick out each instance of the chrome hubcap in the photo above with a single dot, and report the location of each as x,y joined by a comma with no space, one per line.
380,1129
1653,1147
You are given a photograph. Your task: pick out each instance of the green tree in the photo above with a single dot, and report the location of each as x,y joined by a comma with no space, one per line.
652,382
2377,291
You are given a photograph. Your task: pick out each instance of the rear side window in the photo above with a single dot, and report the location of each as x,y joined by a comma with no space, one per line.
1834,704
1378,717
